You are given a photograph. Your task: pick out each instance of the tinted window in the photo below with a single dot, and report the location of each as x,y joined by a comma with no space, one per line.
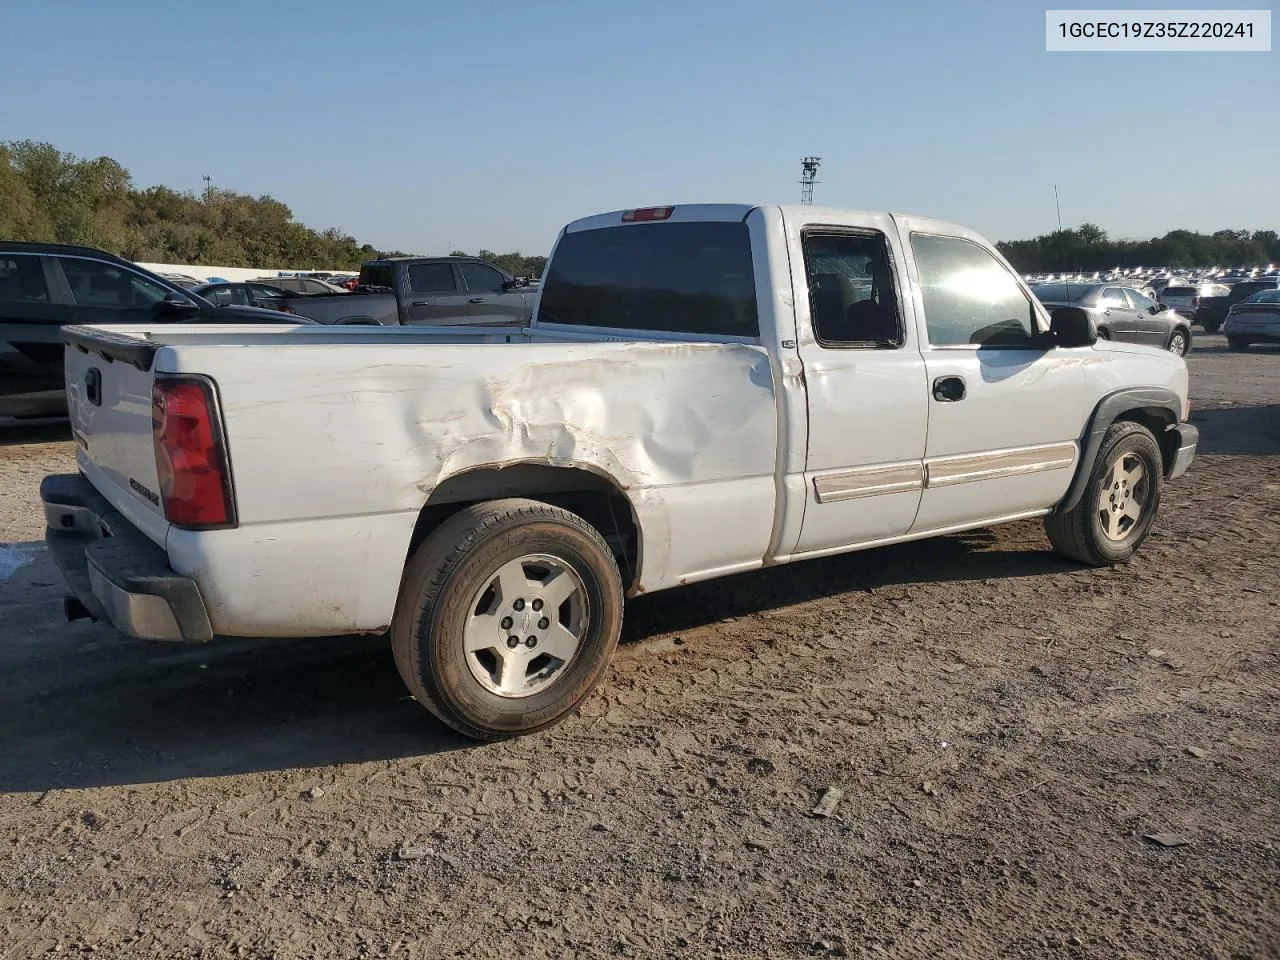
481,278
263,292
98,284
378,275
1062,292
674,277
22,278
1139,301
1265,296
851,298
969,295
431,278
1112,297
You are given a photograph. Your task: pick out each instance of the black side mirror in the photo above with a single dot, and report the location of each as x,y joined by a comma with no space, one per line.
174,303
1072,327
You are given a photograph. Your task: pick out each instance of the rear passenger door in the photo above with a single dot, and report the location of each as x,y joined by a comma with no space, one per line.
865,382
487,300
435,295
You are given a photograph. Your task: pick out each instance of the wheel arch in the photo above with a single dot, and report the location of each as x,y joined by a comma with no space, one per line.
1156,408
580,488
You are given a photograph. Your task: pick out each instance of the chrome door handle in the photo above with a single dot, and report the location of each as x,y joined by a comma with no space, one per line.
476,300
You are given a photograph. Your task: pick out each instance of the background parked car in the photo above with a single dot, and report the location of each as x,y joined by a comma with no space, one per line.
1254,320
250,294
44,286
303,285
1121,313
1212,310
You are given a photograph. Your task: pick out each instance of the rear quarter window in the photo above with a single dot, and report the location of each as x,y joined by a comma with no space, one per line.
694,278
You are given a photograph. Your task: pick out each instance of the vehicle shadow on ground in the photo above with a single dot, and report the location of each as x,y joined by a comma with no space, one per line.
971,556
44,430
82,707
1250,431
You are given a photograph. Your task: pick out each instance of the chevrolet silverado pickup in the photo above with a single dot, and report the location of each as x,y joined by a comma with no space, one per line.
702,390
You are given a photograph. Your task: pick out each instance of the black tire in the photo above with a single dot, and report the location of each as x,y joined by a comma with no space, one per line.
440,585
1237,343
1173,344
1104,333
1078,533
1211,326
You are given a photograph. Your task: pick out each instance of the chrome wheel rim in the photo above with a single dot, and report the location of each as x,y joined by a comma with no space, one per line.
526,625
1125,493
1178,344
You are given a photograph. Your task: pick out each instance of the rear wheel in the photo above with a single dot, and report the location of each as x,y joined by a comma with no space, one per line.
1211,326
507,618
1237,343
1120,503
1179,342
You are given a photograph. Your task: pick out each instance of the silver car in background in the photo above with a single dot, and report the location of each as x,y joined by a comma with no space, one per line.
1121,313
1255,319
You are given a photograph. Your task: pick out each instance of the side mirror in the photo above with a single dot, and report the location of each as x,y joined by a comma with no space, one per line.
514,283
174,303
1072,327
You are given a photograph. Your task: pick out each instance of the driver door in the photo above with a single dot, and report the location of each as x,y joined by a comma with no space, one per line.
107,292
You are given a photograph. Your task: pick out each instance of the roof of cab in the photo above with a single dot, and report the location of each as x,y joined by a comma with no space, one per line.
740,211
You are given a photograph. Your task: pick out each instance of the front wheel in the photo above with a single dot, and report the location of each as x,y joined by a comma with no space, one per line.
1120,503
1237,343
1179,343
1104,333
508,616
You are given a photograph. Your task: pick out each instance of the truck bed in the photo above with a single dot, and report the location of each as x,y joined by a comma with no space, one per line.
337,436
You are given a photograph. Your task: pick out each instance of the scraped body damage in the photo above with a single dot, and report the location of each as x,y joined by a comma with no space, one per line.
335,451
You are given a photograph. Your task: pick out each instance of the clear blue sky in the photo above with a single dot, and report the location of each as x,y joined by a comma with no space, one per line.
420,125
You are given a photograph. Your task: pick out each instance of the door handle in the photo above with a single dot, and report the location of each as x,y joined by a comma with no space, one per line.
948,389
476,300
421,303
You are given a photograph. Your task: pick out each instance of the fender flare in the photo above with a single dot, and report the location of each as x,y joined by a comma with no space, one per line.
1110,409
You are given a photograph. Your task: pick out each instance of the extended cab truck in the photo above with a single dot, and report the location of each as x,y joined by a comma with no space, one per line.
702,390
423,291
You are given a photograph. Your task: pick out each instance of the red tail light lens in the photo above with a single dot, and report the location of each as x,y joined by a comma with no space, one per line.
191,458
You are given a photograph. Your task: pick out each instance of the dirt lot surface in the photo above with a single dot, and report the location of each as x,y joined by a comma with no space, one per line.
1007,729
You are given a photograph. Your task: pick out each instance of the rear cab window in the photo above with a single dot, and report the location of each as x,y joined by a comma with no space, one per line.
685,277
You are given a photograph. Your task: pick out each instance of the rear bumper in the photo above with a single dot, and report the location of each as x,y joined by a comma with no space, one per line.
1263,331
117,574
1188,437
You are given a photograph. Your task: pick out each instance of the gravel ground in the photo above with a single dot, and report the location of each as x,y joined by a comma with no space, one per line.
1008,731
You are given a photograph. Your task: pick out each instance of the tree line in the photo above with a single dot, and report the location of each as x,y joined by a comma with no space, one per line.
49,195
1087,247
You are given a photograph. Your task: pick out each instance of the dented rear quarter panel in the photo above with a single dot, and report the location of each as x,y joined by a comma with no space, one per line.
334,452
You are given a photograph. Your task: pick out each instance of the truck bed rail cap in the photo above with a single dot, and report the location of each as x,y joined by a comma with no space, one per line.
111,346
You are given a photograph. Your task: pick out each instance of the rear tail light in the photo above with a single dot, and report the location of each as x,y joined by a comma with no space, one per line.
191,457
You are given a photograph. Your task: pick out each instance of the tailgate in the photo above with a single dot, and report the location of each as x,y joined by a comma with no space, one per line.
109,401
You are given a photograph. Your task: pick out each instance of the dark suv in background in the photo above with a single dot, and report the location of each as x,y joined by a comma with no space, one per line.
46,285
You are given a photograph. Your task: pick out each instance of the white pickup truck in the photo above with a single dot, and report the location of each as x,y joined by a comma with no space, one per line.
703,390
